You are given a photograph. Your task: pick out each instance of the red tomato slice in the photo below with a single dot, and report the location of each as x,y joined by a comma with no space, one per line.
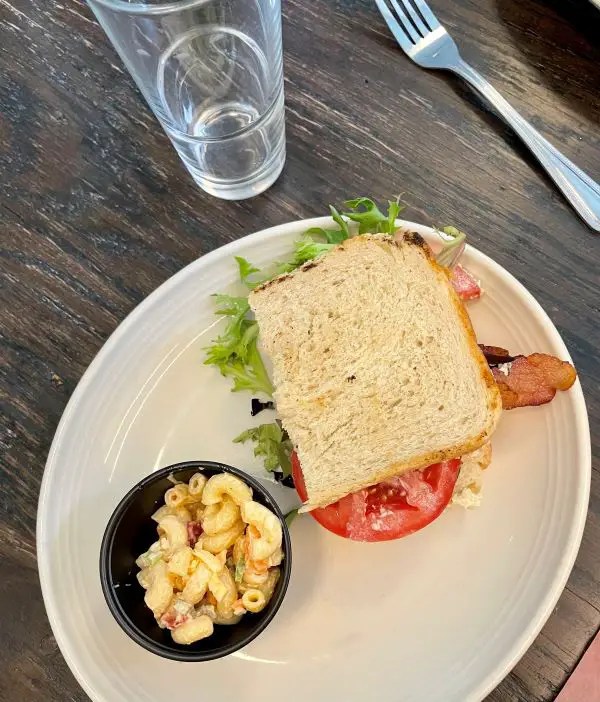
388,510
465,283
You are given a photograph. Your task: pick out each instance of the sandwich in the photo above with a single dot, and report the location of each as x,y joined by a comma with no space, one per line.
385,402
376,367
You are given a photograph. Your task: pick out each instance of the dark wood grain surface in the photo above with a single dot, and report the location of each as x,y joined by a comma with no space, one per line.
97,211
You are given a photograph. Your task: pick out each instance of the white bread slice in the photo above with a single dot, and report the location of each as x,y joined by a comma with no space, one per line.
375,364
468,488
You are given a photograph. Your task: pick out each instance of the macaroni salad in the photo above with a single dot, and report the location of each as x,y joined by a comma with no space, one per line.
216,557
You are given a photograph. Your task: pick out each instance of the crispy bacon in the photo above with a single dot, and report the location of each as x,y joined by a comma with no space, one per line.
495,354
465,284
533,380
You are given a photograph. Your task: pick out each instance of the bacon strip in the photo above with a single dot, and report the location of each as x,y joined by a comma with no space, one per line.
465,284
496,354
533,380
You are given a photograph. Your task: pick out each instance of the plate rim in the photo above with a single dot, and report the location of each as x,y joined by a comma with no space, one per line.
583,440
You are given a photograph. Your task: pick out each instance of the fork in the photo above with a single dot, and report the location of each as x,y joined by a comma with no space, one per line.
429,45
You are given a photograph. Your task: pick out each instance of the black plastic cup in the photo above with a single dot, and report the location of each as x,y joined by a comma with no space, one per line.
130,532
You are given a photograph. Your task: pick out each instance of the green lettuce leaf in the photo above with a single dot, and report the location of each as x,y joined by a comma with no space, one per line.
246,270
272,443
333,236
370,218
234,352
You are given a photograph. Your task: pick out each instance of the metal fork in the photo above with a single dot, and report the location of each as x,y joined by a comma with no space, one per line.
429,45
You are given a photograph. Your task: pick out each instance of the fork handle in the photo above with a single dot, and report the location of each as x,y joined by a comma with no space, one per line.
580,190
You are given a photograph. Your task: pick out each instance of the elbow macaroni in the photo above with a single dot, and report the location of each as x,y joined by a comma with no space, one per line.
180,561
227,592
254,600
174,531
177,496
212,562
217,557
182,513
220,517
225,484
268,527
224,539
193,630
160,591
196,485
195,588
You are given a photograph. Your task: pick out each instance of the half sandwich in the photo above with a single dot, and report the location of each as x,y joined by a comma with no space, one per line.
375,364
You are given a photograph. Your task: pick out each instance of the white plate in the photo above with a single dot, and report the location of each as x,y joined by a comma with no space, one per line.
440,616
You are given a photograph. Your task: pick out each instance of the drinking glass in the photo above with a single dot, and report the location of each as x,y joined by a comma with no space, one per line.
211,70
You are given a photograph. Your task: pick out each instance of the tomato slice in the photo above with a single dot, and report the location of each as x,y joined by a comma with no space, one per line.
389,510
465,283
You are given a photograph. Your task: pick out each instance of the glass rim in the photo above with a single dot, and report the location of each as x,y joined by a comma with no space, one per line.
145,8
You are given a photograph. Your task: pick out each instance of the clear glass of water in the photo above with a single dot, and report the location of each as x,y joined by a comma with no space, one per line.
211,70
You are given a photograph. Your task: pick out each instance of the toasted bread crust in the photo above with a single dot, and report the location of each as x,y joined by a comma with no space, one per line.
411,238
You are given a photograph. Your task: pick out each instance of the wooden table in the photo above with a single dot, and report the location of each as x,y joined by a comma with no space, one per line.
97,211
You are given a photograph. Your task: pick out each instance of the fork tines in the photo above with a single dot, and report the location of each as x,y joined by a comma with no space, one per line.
409,20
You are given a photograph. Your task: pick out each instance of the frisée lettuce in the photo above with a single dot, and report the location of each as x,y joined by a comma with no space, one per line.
272,443
234,352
